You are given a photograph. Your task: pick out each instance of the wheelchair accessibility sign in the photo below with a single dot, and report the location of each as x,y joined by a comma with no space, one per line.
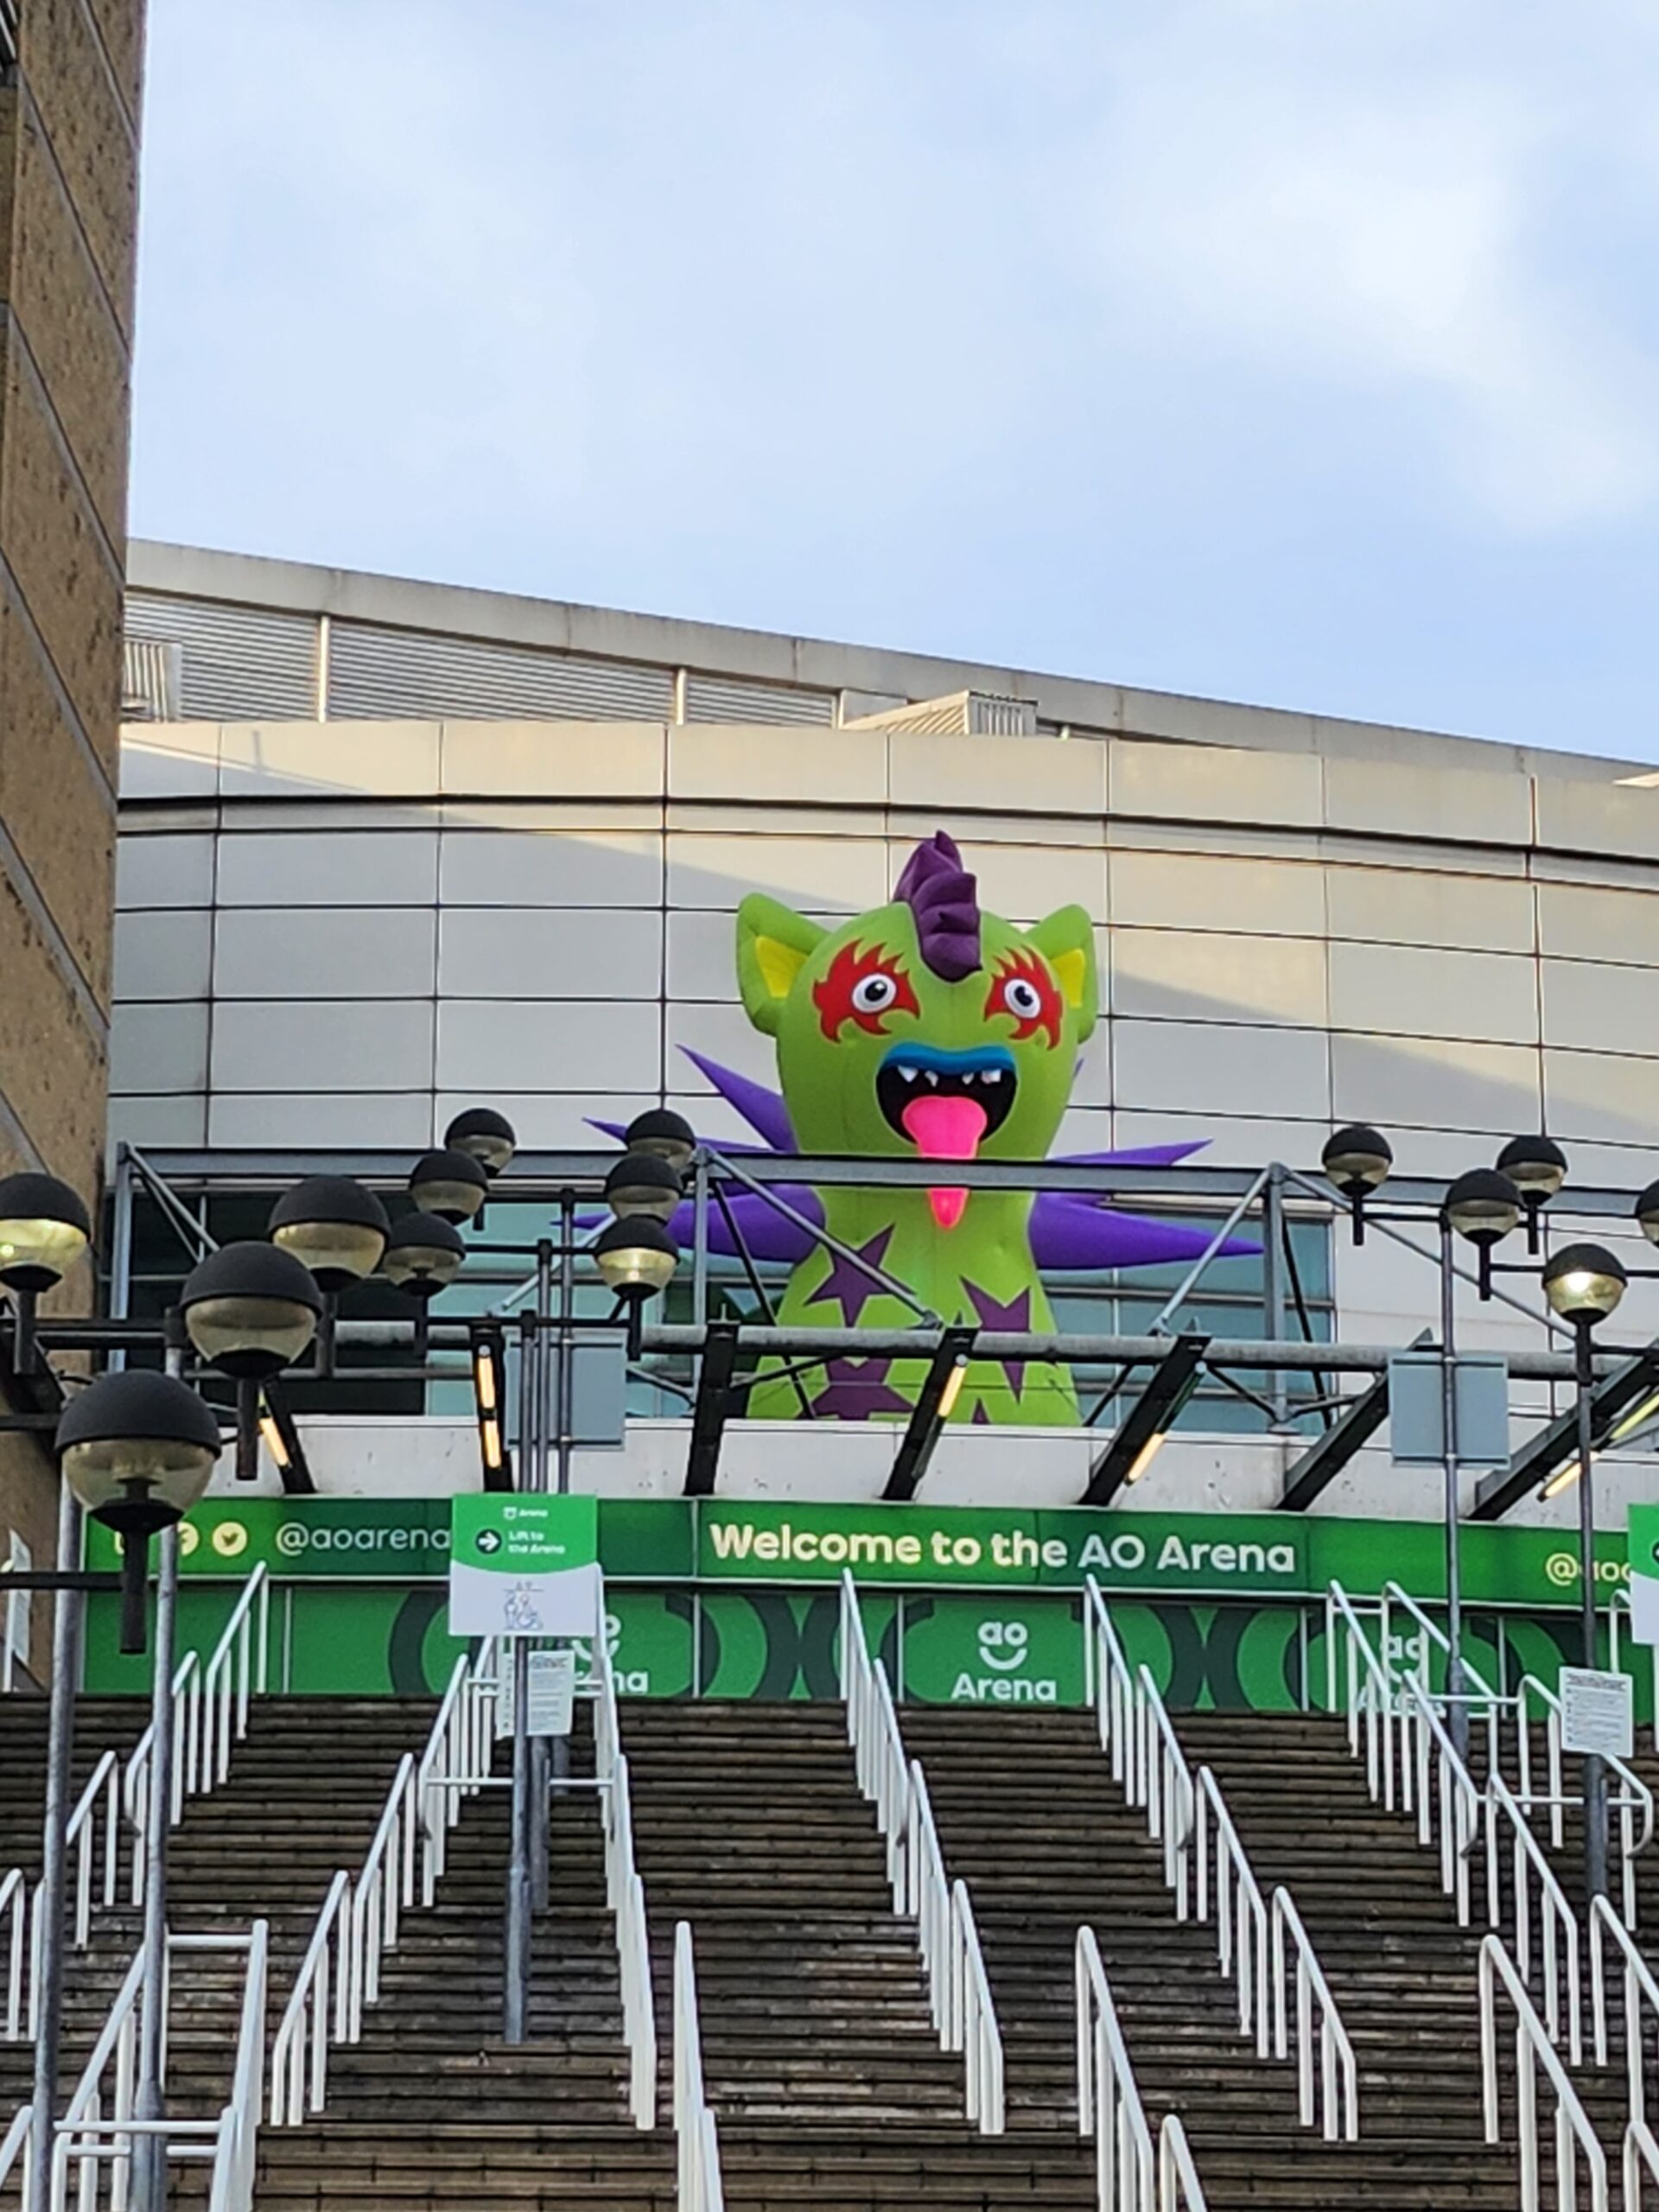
523,1566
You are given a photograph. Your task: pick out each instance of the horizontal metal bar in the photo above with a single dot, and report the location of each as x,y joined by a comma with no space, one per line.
46,1578
1087,1351
536,1174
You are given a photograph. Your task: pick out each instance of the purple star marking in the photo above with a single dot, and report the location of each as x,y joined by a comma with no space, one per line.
847,1286
857,1390
1015,1318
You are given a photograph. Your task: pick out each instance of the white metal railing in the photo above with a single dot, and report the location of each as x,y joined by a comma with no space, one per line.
1334,2099
316,2016
625,1892
14,2146
696,2137
1108,2098
14,1950
1640,2151
1282,1990
1130,2176
1640,1994
1411,1761
210,1699
1178,2178
100,2132
959,1990
1629,1801
361,1917
1535,2047
459,1753
878,1759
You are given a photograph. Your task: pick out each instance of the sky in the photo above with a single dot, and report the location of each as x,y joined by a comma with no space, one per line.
1300,351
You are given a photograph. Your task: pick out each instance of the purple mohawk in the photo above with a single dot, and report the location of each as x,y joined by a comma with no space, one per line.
944,899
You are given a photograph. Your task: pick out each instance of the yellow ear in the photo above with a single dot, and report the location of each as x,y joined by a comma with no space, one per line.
1066,939
774,945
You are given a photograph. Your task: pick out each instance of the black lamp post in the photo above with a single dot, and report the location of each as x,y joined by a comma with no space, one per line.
44,1229
487,1136
1537,1167
137,1449
1357,1160
643,1185
1584,1284
339,1230
661,1130
636,1257
251,1310
424,1255
453,1185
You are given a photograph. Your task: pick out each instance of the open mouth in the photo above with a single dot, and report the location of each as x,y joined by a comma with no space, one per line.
946,1103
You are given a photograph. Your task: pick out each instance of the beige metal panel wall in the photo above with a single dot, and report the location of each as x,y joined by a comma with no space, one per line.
410,914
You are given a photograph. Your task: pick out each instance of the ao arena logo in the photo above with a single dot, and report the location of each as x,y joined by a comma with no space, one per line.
929,1029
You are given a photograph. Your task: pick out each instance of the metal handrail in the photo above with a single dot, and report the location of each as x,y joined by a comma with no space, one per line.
211,1700
1640,1989
1109,2106
385,1882
91,2137
1634,1796
1188,1815
14,2145
299,2055
14,1914
625,1892
1178,2177
697,2136
1241,1914
1339,2077
1534,2047
1435,1781
460,1751
959,1990
360,1918
1640,2150
878,1759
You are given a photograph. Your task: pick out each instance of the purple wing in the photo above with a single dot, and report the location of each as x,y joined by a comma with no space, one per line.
1067,1232
763,1110
766,1231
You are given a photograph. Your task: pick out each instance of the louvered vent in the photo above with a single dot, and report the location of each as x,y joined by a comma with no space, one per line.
374,671
958,713
733,699
150,681
237,663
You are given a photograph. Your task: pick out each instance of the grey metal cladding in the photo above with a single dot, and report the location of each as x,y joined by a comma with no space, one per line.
239,664
739,699
420,674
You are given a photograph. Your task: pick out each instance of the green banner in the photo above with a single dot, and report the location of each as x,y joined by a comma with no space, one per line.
1260,1556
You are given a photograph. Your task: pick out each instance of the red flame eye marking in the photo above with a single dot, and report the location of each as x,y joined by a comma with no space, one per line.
1023,989
864,984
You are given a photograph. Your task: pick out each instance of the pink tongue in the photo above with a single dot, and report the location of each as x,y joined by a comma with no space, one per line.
945,1129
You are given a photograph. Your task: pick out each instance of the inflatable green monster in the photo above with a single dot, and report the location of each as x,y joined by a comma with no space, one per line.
926,1029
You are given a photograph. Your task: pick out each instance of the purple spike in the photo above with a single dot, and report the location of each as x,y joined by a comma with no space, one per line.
763,1110
766,1233
1067,1232
944,899
1140,1155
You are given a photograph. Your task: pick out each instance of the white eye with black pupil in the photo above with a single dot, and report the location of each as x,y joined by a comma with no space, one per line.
874,993
1023,998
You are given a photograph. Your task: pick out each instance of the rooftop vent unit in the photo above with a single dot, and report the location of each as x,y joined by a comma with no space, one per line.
152,680
959,714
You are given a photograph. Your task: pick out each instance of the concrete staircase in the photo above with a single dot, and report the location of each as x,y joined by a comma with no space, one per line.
820,2056
304,1794
1028,1813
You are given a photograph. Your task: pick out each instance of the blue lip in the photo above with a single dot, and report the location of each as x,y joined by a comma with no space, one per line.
942,1062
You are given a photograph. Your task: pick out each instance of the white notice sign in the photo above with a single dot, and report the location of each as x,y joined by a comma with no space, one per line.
1598,1712
550,1701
